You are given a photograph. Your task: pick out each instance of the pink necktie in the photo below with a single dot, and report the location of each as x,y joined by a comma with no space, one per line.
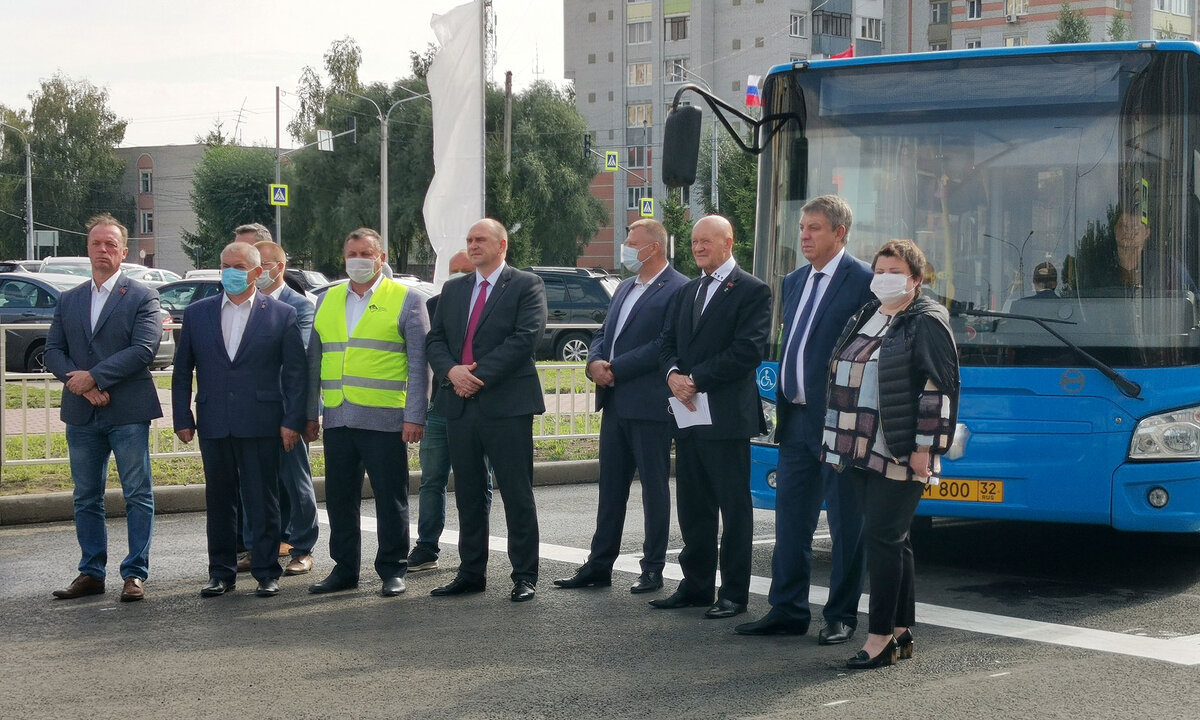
468,353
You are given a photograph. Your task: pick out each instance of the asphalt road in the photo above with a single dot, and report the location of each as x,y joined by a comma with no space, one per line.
1017,621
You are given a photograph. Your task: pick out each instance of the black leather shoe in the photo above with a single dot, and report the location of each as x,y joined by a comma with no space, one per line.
678,600
773,624
835,633
217,587
334,582
392,587
863,661
585,577
723,608
648,582
460,586
522,591
267,588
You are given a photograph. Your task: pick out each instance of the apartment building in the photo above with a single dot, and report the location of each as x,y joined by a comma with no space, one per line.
160,180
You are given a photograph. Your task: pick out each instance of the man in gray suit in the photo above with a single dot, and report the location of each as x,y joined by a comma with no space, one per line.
104,335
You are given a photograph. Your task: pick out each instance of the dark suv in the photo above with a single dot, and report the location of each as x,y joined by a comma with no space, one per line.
577,301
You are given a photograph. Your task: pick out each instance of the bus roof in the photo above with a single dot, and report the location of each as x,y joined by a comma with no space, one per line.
1161,45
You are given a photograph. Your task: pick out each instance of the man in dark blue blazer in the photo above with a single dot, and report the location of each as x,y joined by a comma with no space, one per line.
632,392
297,497
251,383
818,299
714,338
104,335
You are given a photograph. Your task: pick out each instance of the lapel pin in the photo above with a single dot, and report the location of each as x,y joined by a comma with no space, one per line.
122,291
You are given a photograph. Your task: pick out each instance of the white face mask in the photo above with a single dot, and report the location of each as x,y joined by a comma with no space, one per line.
629,258
265,281
890,288
361,270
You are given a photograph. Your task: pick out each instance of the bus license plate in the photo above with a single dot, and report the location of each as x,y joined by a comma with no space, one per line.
988,491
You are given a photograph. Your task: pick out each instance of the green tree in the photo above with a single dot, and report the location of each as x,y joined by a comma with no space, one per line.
677,220
77,174
230,189
1119,28
737,186
1072,27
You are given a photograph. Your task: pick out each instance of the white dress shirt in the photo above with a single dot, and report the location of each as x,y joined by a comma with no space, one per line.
357,304
828,271
718,277
100,296
491,281
233,321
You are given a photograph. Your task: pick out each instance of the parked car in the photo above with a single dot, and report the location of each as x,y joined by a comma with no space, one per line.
426,289
176,296
154,277
307,279
82,267
577,301
31,298
202,274
7,266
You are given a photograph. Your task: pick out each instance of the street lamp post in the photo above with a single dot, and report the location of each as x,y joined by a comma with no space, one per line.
383,155
28,191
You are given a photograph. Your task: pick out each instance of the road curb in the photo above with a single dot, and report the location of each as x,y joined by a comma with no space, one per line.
59,506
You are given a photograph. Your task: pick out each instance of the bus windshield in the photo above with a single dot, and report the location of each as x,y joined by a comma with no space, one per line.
1060,187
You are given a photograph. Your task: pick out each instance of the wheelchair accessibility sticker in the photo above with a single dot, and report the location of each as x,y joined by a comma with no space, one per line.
767,379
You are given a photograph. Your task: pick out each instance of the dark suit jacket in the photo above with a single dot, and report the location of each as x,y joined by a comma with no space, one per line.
118,354
262,389
641,389
305,310
723,353
847,292
512,323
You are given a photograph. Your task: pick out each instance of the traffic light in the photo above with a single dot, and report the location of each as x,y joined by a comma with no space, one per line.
352,128
587,145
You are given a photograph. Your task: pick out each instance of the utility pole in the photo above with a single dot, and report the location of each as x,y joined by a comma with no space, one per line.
29,254
278,215
508,122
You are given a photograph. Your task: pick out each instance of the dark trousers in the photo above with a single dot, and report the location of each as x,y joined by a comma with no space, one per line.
626,446
803,484
889,506
713,477
508,444
248,467
384,457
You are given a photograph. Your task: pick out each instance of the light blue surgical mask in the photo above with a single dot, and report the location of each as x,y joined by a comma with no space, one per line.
629,258
234,281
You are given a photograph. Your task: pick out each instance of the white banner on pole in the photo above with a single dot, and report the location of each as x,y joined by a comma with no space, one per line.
455,199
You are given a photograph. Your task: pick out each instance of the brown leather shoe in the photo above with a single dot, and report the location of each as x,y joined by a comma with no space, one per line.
243,561
83,585
134,590
299,565
285,549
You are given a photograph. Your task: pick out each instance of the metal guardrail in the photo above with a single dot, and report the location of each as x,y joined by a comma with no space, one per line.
33,434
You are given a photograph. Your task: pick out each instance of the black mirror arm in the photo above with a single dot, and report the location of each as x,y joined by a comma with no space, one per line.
775,123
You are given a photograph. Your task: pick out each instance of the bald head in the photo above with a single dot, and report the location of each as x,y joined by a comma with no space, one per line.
460,263
712,242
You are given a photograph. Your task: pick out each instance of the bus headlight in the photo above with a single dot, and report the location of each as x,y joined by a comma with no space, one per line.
767,438
1173,435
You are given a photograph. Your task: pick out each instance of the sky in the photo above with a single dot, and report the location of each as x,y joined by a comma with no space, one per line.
173,69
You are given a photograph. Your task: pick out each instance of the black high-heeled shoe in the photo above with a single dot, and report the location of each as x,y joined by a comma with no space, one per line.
904,645
863,661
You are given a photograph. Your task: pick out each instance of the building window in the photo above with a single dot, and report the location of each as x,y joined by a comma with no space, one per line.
635,195
831,24
870,28
1175,7
758,42
591,97
974,9
146,181
939,13
640,74
797,26
735,86
974,43
635,156
1016,7
639,32
676,70
1016,41
798,57
147,222
675,28
591,58
591,17
641,114
737,43
936,47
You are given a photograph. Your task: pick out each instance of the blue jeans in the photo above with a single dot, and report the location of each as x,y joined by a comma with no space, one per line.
89,447
435,473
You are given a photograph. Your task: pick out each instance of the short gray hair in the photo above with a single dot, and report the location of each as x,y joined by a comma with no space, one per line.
835,209
260,231
366,233
253,257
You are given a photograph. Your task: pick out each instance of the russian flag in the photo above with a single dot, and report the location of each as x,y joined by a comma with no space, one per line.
847,53
753,99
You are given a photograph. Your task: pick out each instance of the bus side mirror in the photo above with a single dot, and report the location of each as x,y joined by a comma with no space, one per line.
681,146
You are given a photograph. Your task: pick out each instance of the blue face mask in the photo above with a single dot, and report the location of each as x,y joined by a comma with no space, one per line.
234,280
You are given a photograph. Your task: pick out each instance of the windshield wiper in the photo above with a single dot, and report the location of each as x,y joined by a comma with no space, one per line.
1127,387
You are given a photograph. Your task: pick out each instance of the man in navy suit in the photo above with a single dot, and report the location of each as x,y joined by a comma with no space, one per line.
818,299
632,392
104,335
297,497
713,340
251,382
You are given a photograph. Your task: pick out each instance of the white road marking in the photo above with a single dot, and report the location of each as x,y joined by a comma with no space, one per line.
1183,650
1000,674
835,702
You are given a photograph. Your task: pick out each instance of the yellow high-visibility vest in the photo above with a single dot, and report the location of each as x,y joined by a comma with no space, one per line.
369,366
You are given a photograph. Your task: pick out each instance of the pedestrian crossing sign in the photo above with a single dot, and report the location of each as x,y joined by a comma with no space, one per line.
647,207
279,195
611,160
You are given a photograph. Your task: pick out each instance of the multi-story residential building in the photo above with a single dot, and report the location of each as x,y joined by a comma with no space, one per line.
160,179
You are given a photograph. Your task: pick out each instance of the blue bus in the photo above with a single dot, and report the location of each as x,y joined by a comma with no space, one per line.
1056,193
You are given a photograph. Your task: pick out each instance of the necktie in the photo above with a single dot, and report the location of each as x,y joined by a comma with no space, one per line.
790,389
698,306
468,353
